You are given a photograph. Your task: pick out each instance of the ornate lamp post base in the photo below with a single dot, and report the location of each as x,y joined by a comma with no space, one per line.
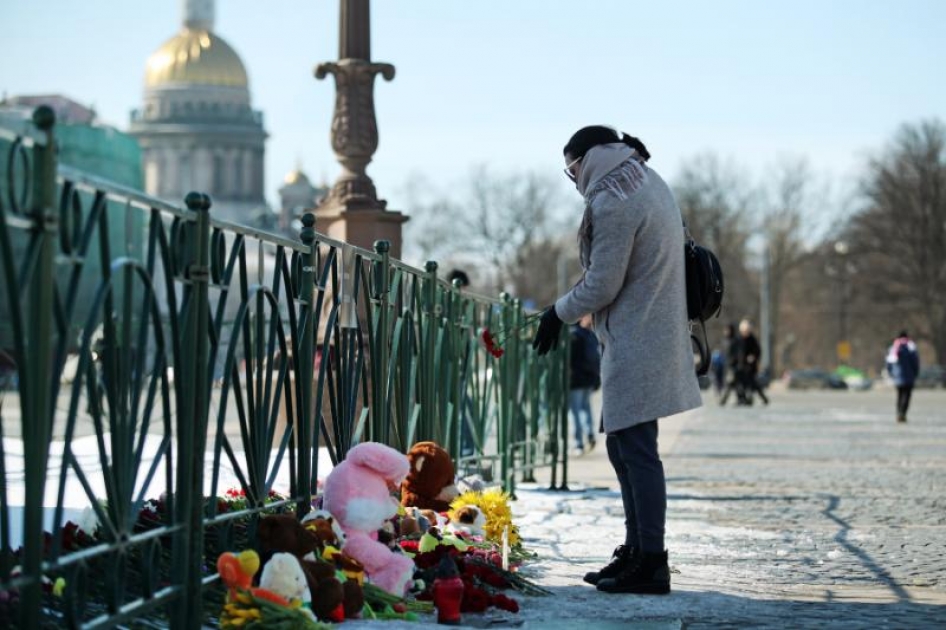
352,210
362,227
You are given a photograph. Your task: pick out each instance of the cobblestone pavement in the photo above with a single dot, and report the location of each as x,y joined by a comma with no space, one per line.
818,510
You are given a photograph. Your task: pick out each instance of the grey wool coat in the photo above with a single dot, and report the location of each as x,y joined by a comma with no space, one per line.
634,285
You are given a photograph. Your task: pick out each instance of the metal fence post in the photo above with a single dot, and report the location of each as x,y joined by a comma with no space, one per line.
561,430
429,323
526,429
457,352
36,364
307,427
192,385
380,412
504,431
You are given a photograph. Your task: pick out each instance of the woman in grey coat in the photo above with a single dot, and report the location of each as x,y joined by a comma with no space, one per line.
631,250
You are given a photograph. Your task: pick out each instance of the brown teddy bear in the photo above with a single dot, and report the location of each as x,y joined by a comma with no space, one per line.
323,525
332,600
332,539
430,483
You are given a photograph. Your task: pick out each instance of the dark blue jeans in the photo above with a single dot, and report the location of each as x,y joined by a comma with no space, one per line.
633,454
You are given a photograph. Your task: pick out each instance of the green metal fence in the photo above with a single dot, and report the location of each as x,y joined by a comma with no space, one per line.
208,369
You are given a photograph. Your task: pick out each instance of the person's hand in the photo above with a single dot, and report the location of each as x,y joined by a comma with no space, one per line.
547,334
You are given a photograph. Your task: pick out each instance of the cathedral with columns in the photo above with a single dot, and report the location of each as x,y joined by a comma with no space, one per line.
198,130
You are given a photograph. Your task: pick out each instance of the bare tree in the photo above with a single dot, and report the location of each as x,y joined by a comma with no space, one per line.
545,267
431,232
789,193
899,236
507,224
506,217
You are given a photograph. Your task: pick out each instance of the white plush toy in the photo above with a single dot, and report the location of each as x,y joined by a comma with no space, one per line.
469,519
284,576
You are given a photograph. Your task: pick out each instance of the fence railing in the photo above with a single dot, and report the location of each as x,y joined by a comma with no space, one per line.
168,377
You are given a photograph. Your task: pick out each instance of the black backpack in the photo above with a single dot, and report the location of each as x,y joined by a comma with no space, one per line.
704,279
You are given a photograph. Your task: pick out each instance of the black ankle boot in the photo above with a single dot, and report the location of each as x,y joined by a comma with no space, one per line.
650,574
623,556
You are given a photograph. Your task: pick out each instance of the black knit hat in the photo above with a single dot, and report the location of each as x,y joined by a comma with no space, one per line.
591,136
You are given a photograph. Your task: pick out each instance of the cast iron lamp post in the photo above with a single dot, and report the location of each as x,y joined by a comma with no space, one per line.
354,128
351,211
842,272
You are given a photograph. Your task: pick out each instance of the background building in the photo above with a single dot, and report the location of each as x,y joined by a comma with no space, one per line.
297,195
197,128
84,143
93,148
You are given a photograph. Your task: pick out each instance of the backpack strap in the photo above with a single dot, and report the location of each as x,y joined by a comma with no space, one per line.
703,347
701,344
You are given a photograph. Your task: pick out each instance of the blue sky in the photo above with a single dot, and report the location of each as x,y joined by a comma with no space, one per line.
506,82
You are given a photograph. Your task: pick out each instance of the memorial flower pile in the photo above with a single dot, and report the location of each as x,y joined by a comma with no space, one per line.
484,562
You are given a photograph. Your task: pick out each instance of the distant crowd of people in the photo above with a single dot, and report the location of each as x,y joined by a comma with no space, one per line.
735,367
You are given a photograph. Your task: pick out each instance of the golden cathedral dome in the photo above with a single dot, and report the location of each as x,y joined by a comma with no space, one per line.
197,57
296,176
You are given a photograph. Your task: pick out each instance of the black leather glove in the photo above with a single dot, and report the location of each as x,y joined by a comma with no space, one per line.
547,334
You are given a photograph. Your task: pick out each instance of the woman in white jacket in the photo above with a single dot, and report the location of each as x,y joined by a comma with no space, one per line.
631,249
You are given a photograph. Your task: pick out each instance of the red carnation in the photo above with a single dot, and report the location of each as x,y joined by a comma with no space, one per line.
493,343
490,344
505,603
475,599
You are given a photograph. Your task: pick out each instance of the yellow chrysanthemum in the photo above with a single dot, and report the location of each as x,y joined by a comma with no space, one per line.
494,503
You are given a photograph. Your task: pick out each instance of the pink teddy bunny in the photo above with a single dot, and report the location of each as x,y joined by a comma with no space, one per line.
358,493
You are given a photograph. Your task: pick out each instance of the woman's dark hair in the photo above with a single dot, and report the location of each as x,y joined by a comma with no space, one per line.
588,137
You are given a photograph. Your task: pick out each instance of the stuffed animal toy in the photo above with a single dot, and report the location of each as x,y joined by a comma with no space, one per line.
412,523
430,482
434,519
331,537
325,527
469,520
283,575
433,538
282,532
237,571
243,601
388,536
358,494
348,566
332,599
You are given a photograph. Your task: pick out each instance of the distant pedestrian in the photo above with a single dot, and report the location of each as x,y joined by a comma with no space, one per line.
633,283
732,346
718,368
903,364
750,356
585,378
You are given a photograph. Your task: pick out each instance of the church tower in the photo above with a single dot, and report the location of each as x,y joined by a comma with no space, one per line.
196,128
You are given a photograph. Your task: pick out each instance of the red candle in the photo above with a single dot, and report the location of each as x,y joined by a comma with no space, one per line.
448,592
